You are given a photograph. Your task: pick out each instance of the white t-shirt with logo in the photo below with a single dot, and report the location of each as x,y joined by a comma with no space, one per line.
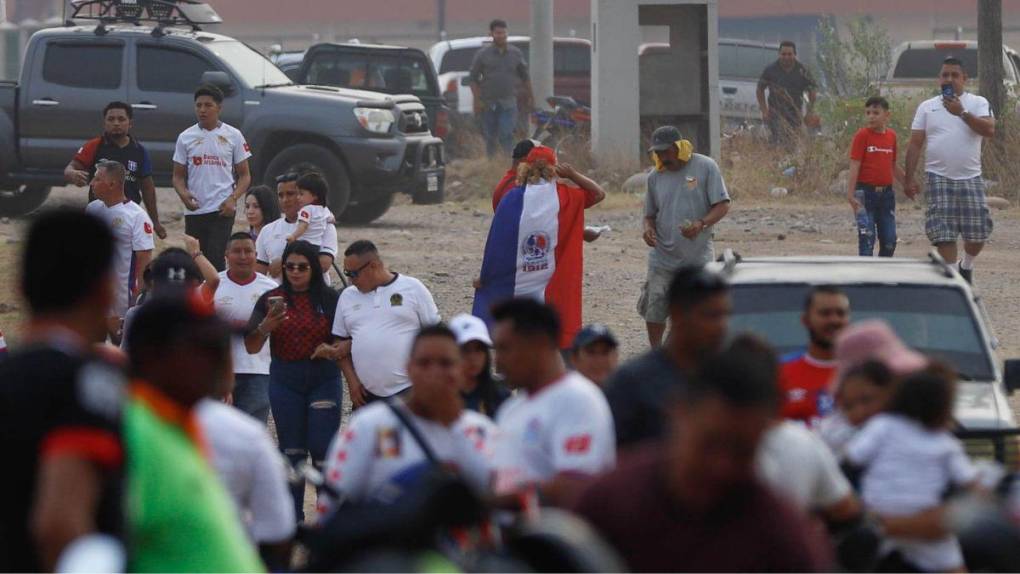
566,427
797,464
320,222
382,325
252,469
954,150
235,302
272,240
376,458
210,156
132,230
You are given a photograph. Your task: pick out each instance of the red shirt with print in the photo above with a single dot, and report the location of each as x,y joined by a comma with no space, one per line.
877,154
804,383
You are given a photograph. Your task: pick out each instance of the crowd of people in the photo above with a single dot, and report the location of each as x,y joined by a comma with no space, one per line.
136,408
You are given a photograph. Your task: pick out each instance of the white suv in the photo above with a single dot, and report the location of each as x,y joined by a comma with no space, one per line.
926,302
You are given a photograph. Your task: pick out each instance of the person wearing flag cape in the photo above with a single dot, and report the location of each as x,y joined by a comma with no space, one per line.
534,247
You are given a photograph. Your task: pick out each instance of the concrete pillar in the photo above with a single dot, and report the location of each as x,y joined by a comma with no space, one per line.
682,88
541,51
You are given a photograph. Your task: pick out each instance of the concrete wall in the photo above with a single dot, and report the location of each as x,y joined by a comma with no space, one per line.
679,90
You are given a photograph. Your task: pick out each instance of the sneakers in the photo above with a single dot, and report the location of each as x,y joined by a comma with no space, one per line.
967,274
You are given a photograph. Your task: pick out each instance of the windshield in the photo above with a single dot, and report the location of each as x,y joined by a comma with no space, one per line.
934,320
253,68
925,63
387,73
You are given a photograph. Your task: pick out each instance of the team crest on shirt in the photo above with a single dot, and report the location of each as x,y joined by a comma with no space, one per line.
197,160
223,140
535,251
476,434
396,300
132,165
532,432
117,222
387,443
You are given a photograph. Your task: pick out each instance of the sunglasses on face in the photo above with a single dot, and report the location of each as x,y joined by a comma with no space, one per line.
299,267
354,274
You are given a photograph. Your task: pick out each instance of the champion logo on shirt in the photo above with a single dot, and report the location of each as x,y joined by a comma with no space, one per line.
577,444
876,149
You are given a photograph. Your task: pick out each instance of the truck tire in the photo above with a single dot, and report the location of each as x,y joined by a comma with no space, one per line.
364,212
22,200
325,161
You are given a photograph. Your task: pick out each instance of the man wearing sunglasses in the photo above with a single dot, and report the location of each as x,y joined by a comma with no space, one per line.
272,240
381,317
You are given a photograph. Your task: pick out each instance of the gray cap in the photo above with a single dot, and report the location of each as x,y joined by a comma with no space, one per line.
663,137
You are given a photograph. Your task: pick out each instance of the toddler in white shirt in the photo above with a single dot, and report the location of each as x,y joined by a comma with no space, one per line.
314,219
910,459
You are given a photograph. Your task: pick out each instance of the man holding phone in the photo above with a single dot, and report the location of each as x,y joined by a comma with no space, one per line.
953,124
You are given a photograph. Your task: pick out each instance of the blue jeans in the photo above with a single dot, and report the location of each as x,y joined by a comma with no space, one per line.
251,395
876,220
306,401
498,128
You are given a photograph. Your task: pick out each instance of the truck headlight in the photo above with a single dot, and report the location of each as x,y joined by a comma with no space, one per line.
375,120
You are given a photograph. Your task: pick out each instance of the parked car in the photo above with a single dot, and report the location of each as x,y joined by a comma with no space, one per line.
452,60
741,63
376,68
926,302
368,145
288,61
916,66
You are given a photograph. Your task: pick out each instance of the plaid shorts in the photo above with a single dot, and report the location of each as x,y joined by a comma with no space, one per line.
957,207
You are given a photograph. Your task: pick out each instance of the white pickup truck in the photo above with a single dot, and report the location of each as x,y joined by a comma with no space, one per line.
916,67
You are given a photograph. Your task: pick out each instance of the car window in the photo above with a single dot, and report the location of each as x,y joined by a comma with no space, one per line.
154,61
572,60
925,63
458,60
934,320
96,66
350,71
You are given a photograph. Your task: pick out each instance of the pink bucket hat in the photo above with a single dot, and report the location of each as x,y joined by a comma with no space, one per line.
874,340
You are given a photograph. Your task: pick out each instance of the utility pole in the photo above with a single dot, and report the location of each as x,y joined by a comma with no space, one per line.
441,19
541,51
990,67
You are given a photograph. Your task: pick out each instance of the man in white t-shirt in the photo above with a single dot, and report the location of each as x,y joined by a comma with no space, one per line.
558,430
251,468
132,229
953,124
381,316
239,287
377,458
272,240
206,157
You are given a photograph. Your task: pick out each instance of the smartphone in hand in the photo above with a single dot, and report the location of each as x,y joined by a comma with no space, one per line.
948,92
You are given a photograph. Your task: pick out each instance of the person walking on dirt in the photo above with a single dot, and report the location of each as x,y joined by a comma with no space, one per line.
686,197
786,79
953,125
495,73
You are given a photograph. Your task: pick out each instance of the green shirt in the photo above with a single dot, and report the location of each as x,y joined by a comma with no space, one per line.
179,517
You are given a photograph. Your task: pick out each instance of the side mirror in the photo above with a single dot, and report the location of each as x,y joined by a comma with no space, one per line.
1011,375
465,81
219,79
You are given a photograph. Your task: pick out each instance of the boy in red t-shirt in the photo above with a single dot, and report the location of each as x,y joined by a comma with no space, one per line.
869,190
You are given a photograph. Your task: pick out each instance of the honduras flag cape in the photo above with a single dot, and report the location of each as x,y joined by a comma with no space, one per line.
534,250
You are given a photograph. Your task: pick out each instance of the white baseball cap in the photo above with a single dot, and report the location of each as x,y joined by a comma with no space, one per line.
470,328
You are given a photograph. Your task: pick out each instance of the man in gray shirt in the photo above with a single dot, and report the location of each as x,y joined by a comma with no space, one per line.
686,197
495,74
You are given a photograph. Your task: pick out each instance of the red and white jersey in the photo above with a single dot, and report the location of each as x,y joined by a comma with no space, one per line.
377,459
132,230
320,222
566,427
210,157
235,302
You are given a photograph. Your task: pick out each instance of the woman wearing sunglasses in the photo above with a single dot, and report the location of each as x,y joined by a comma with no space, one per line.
304,382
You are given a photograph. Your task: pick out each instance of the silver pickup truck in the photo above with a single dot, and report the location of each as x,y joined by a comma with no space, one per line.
153,55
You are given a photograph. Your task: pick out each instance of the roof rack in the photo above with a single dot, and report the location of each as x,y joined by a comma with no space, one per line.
937,260
161,12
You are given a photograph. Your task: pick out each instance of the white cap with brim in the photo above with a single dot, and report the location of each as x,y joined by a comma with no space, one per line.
470,328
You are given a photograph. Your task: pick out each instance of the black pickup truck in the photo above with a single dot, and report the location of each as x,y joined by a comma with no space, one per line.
153,54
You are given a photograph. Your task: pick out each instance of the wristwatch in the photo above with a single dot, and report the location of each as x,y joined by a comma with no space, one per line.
964,115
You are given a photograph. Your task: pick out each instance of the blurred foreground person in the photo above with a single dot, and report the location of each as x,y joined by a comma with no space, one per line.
179,516
59,406
557,430
693,503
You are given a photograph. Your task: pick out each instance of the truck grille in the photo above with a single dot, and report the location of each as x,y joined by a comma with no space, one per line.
414,122
1004,449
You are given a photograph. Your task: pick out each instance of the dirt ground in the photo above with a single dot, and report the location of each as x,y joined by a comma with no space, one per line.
442,245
